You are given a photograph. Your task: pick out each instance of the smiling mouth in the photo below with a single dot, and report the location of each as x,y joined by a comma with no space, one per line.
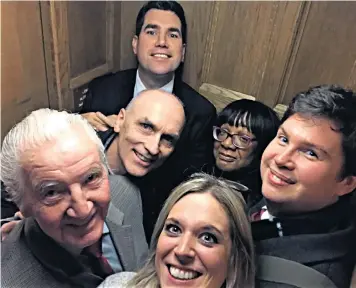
161,55
280,179
226,158
182,274
144,158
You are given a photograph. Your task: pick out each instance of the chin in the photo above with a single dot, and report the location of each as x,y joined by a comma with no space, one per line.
225,168
137,172
162,70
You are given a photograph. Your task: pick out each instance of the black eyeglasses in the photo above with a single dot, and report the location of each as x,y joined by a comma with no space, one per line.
241,141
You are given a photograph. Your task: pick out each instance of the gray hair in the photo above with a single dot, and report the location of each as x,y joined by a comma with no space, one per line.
241,271
39,127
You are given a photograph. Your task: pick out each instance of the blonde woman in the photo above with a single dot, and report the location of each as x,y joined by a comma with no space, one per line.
202,238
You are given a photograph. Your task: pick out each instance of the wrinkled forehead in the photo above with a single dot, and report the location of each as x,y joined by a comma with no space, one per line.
71,148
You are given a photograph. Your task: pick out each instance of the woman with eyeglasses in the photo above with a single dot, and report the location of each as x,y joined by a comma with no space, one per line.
243,130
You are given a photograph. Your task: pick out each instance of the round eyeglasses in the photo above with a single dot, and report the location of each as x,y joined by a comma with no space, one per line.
239,140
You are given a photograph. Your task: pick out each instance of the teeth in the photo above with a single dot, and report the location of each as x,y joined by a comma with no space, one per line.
277,179
180,274
143,158
161,55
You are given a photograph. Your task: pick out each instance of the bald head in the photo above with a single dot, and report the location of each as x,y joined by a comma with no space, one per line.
149,129
154,97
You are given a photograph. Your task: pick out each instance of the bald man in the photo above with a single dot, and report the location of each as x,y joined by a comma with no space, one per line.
147,132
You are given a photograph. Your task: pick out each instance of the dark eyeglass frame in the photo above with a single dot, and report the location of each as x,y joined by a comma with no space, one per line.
231,135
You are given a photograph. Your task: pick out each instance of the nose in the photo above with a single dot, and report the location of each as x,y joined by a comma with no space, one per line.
284,159
227,143
161,40
80,206
152,145
184,251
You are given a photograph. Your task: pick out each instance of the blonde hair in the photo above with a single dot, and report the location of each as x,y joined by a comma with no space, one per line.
241,271
39,127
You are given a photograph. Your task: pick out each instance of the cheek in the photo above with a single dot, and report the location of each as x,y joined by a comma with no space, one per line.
216,148
270,152
215,261
314,173
164,246
102,195
50,218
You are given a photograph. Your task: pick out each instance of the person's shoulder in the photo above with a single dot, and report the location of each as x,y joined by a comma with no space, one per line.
194,101
124,194
113,79
118,280
18,264
122,183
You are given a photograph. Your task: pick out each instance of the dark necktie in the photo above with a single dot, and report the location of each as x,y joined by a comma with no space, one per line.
98,263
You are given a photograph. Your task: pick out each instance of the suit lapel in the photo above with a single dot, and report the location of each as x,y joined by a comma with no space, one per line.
122,238
56,260
127,89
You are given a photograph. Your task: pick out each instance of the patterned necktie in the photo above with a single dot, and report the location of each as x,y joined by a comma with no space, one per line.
98,263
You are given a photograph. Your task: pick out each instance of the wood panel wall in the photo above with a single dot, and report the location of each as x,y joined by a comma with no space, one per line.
326,49
251,43
23,73
269,50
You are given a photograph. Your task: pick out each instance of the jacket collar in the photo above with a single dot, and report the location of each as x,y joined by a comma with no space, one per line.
61,264
122,238
309,237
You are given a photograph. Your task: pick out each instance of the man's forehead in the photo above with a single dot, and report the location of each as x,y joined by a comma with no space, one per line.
71,145
165,18
319,132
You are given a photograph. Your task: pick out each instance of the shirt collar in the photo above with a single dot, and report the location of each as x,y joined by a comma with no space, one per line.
105,229
139,86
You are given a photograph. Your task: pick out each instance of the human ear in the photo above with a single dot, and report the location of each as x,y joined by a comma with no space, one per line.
120,120
348,184
134,44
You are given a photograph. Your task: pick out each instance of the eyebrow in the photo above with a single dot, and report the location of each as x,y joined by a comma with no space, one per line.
155,26
55,182
308,144
207,227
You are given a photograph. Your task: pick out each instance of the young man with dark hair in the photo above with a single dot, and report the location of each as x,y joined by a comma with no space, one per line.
309,173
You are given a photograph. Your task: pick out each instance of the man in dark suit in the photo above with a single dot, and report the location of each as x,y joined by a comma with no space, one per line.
159,44
71,236
309,173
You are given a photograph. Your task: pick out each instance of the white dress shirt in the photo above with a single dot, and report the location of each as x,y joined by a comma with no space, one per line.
139,86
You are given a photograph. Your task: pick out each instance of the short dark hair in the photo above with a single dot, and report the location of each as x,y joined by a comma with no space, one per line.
334,103
258,118
173,6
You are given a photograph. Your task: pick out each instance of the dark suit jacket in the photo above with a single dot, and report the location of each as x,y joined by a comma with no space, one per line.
323,240
32,259
109,93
